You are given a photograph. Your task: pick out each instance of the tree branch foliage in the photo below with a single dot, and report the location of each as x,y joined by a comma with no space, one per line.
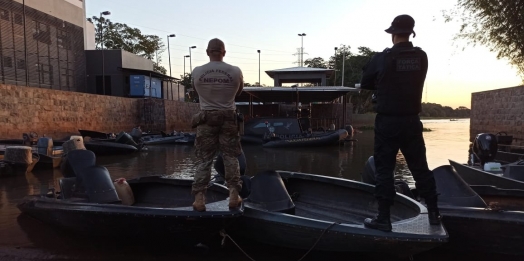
496,24
353,63
120,36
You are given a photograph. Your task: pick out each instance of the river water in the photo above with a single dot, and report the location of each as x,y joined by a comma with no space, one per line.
22,238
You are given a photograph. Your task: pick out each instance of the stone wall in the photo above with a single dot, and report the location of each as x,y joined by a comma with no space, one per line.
58,114
498,110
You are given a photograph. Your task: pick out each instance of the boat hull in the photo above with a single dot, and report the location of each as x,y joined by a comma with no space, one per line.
328,214
474,176
172,217
326,139
109,148
484,230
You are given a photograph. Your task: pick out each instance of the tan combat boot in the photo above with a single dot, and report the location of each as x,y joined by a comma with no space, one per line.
200,201
234,199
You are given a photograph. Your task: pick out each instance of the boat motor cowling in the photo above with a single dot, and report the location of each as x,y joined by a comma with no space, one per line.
269,192
485,147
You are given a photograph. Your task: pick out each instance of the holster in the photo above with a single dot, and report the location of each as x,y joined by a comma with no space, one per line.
198,119
217,118
240,123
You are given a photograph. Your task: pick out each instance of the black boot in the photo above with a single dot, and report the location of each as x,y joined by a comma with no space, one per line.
433,212
382,220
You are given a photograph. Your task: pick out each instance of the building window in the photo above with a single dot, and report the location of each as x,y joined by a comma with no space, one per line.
41,32
45,71
19,19
4,14
63,40
8,61
20,64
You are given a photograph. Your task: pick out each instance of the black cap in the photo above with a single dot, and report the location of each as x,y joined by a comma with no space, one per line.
402,24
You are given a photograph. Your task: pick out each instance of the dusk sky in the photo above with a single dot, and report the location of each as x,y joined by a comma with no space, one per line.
273,27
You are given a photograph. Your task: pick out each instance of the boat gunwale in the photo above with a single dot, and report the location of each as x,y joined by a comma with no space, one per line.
347,228
43,202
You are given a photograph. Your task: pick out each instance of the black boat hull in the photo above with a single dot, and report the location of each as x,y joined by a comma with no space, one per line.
171,218
326,139
484,230
342,232
93,134
109,148
474,176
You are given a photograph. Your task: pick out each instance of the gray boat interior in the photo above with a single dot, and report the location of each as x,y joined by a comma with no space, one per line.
93,184
171,193
321,198
154,192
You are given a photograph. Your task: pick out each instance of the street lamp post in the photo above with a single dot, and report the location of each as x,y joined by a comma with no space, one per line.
169,53
302,49
103,58
335,67
259,84
190,66
185,56
169,57
343,64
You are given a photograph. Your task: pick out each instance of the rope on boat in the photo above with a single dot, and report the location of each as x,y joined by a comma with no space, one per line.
225,235
318,239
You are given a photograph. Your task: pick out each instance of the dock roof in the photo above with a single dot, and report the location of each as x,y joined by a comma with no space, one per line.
290,94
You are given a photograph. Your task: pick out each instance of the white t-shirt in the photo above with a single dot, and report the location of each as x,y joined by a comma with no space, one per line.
217,84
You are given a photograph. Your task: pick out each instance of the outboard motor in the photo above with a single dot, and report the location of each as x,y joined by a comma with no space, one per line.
485,147
350,130
269,192
98,185
368,176
125,138
136,133
77,160
220,178
45,146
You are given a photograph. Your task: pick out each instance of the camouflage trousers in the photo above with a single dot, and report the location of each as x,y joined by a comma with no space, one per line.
209,141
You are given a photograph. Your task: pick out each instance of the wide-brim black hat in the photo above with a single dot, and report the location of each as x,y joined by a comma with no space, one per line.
402,24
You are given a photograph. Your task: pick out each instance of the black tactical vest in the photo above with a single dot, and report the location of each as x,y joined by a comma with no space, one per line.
400,86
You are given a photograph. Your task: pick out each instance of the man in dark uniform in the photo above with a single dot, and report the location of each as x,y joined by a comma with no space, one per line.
397,76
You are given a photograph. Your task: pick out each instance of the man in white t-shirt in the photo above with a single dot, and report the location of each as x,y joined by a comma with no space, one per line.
217,84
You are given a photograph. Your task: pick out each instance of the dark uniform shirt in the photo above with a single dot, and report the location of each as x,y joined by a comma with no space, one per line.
397,75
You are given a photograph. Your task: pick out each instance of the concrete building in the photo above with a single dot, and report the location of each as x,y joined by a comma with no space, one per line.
128,75
42,44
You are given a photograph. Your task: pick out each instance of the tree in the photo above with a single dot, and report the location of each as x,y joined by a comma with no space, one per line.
496,24
185,80
120,36
317,62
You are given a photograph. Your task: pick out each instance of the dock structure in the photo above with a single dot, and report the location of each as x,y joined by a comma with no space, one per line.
318,93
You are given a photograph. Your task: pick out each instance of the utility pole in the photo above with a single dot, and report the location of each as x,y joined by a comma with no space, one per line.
343,63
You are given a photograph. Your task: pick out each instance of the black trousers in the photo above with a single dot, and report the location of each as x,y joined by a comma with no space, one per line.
405,133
